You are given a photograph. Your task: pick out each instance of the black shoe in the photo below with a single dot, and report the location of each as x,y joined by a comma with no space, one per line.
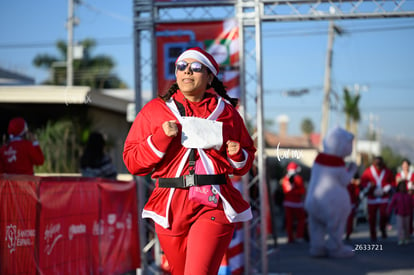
384,234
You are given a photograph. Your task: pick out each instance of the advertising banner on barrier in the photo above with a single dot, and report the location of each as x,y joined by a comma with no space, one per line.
68,225
219,38
119,228
18,207
69,209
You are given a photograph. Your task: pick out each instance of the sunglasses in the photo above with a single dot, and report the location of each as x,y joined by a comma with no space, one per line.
196,67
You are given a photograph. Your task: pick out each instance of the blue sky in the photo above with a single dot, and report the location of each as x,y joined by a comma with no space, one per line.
376,54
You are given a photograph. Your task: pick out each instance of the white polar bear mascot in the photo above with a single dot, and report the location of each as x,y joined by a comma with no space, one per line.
327,200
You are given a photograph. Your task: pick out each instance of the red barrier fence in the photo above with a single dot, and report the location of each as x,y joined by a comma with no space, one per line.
68,225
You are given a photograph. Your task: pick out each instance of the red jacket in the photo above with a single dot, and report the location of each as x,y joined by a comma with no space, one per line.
294,192
353,190
19,156
374,181
148,150
402,203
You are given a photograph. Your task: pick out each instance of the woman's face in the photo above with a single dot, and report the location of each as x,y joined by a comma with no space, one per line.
193,84
405,166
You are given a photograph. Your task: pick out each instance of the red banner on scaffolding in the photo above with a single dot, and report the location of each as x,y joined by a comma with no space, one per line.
219,38
53,225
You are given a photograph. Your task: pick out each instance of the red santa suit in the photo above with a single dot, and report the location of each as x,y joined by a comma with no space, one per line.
353,190
377,186
148,150
294,193
19,155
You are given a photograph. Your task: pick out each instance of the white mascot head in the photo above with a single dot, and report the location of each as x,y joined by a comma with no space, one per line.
338,142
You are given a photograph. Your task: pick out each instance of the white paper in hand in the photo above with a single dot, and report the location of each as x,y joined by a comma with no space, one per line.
201,133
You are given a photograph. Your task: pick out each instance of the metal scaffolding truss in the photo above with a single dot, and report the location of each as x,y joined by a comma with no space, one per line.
329,10
250,15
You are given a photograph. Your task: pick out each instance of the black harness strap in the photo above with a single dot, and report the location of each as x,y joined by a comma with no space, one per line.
192,179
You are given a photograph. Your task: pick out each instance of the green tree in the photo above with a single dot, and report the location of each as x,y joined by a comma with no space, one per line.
307,128
351,110
392,159
61,145
92,71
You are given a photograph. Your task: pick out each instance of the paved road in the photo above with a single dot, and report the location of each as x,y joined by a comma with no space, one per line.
392,259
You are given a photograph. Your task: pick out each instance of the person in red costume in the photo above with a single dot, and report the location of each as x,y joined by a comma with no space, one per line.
402,203
407,175
353,190
190,140
294,194
377,183
22,151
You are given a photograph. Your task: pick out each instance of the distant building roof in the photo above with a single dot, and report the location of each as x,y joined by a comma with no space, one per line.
286,141
12,78
111,100
368,146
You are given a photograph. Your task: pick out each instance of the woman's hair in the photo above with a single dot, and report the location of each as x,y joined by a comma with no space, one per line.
407,161
216,84
94,150
402,186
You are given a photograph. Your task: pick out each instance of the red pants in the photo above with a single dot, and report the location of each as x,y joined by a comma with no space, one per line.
201,249
372,218
350,222
298,214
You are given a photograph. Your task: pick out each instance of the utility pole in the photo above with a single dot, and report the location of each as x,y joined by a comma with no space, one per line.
69,50
326,105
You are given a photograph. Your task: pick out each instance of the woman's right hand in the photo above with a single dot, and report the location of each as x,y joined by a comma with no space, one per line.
170,128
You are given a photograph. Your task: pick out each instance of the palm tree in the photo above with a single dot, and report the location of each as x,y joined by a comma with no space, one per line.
351,110
95,71
307,128
352,115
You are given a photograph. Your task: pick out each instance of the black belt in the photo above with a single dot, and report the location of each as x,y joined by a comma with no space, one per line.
192,180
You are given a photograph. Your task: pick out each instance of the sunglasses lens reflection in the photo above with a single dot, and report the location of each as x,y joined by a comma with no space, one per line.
195,66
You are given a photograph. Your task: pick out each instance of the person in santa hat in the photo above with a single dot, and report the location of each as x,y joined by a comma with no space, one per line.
190,140
294,194
377,184
22,151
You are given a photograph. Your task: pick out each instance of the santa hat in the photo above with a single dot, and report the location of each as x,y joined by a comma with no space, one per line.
17,127
201,55
293,168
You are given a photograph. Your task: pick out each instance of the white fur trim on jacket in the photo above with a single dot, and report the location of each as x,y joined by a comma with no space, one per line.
230,213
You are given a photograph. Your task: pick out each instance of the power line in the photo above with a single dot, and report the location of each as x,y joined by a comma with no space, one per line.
46,44
107,13
268,33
